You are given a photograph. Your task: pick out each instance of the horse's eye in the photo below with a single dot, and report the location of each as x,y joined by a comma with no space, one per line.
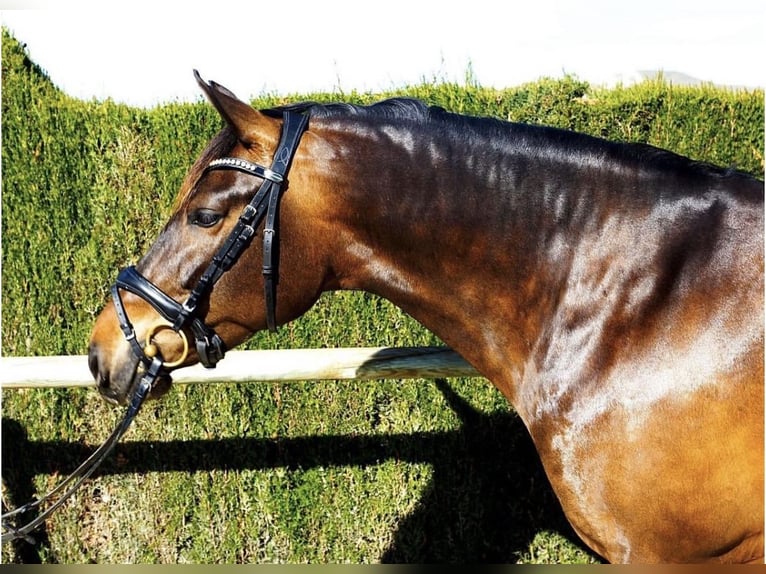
204,217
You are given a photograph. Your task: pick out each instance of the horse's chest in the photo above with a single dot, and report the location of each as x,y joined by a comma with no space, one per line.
636,459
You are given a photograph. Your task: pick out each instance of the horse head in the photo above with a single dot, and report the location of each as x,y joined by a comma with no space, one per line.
208,282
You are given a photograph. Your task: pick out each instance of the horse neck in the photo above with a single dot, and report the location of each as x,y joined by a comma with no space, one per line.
490,244
430,228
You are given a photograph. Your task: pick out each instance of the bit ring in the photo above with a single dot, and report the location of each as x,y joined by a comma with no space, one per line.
151,350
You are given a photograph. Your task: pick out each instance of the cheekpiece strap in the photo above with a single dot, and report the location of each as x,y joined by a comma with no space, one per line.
292,129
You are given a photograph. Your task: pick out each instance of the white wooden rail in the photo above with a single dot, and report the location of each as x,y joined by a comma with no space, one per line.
243,366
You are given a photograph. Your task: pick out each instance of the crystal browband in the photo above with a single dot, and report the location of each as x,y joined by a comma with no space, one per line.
247,167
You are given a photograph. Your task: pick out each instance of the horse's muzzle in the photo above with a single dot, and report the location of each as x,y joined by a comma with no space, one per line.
117,380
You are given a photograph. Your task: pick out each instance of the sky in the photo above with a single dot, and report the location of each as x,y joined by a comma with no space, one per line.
143,53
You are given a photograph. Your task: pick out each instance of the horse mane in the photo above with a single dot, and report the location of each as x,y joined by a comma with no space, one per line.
532,141
535,140
392,109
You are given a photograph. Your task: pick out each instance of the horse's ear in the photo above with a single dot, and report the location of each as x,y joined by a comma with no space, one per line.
250,125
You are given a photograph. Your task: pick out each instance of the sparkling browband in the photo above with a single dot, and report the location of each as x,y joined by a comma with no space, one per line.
247,167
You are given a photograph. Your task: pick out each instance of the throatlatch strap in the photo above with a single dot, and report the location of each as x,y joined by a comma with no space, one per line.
292,130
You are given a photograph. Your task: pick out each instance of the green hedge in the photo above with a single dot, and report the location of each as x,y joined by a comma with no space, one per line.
86,188
87,185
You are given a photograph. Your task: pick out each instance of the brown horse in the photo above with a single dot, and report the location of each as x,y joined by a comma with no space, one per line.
612,292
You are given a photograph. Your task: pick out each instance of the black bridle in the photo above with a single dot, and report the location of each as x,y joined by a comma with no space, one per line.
210,347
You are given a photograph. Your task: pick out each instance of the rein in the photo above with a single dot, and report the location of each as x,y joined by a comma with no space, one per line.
13,532
210,347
